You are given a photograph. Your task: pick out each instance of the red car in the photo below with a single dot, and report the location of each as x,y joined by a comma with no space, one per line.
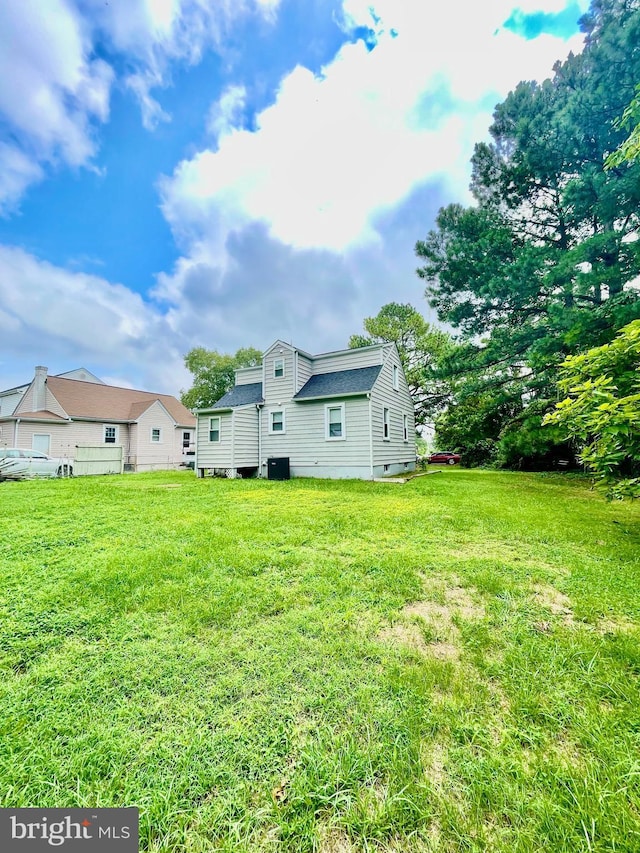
444,457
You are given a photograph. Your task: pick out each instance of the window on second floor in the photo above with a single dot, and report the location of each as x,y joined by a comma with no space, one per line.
395,373
278,368
385,424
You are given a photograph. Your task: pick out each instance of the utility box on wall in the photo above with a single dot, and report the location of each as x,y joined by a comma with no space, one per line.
278,468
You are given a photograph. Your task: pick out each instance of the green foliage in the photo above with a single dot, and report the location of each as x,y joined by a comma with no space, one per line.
629,150
602,410
420,346
542,266
214,374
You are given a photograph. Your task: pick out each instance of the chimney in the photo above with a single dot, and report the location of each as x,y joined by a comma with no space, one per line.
39,390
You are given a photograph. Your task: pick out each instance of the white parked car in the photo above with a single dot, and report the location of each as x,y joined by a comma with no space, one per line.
18,464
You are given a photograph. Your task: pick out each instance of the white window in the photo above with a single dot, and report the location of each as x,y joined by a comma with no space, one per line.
405,427
395,372
156,435
385,424
335,427
278,368
277,421
214,430
110,434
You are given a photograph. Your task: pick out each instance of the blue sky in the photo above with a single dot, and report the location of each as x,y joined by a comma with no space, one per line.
221,173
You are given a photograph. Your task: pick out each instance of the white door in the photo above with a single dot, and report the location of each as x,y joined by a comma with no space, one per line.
41,443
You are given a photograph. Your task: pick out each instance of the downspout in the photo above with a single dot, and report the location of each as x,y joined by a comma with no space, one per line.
259,408
15,433
233,439
370,434
195,458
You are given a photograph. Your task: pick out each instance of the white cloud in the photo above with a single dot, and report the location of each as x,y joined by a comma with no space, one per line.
53,315
337,148
16,173
56,92
225,114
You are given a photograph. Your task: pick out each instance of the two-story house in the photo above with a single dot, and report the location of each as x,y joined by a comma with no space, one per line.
345,414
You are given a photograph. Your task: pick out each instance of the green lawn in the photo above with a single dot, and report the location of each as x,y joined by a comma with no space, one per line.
448,665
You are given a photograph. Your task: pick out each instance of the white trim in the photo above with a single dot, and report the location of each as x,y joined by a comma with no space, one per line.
273,412
213,429
116,430
151,432
395,377
343,423
277,361
386,424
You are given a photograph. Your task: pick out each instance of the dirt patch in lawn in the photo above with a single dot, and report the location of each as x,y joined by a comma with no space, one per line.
554,601
429,626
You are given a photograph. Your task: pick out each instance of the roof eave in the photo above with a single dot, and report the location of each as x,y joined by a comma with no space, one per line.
333,396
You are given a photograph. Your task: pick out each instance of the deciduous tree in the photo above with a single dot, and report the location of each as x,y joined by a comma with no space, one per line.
419,344
601,410
214,374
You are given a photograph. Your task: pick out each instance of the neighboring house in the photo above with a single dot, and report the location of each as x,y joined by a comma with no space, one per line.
337,414
58,415
10,398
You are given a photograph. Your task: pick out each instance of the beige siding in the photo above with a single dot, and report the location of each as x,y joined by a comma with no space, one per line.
65,437
148,455
249,375
7,434
51,404
210,454
348,360
399,403
281,389
26,404
245,437
304,371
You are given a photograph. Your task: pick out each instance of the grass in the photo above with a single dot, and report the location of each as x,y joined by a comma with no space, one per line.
448,665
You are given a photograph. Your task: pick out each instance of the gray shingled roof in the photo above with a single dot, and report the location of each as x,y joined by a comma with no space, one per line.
339,383
240,395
